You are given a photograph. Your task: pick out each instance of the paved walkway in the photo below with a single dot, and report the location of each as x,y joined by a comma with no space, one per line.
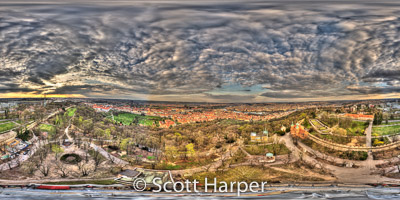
210,167
108,155
370,160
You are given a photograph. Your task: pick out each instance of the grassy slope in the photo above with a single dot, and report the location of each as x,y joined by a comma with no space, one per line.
6,126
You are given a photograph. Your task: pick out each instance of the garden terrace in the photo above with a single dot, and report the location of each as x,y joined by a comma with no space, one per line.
386,130
6,126
337,139
392,123
320,126
351,127
50,129
341,147
346,154
356,128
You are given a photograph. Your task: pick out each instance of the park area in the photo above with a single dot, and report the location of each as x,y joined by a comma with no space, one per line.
386,130
70,112
50,129
356,128
276,149
345,127
6,126
129,118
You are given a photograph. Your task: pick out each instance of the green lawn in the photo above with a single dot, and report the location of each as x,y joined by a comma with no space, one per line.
386,130
357,128
390,123
146,122
70,112
6,126
129,118
50,129
125,118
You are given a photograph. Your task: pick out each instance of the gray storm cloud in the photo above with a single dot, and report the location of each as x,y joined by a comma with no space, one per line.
294,50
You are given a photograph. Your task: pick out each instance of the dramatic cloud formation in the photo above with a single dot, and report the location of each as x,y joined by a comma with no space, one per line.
213,51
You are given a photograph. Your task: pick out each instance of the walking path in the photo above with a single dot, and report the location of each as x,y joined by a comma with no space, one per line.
370,160
210,167
108,155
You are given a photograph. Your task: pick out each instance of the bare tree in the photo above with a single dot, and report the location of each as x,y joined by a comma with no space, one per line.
288,159
97,159
31,168
111,158
85,145
17,161
84,168
60,166
43,154
44,169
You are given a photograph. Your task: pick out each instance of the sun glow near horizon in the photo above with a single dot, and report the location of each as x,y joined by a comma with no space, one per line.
35,95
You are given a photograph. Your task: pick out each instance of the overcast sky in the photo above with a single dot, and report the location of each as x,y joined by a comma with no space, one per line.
215,51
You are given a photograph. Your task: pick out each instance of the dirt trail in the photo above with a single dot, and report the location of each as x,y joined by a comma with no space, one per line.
308,174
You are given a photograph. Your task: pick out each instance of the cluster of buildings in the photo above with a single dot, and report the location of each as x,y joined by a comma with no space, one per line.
166,123
10,145
298,131
184,115
101,108
273,107
210,115
254,137
358,116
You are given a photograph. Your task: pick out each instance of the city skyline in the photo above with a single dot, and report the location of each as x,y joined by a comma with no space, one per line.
261,51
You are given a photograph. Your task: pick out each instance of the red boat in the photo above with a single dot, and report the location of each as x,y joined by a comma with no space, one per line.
53,187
